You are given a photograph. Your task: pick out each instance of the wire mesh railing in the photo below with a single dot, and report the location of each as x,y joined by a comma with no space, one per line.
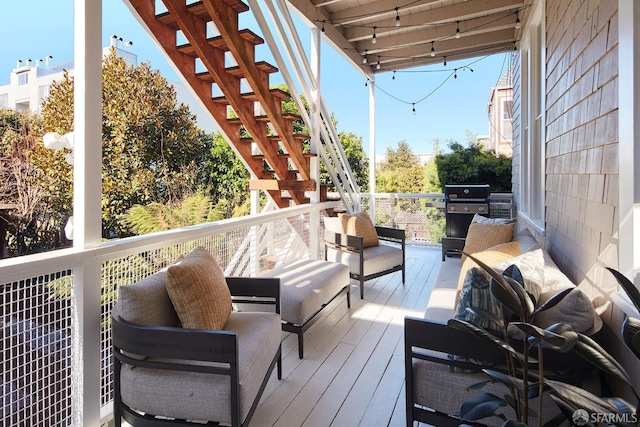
40,305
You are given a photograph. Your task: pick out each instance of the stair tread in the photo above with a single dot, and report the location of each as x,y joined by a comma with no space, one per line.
220,43
262,118
235,71
199,9
276,138
282,184
251,96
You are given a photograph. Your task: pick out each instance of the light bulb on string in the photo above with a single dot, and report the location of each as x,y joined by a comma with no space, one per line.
373,39
378,64
323,25
457,29
433,51
518,23
445,61
414,108
364,58
394,75
397,17
455,73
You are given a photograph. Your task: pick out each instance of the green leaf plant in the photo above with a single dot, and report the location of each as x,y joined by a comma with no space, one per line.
523,343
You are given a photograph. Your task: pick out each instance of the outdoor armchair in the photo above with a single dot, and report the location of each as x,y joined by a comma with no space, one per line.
369,251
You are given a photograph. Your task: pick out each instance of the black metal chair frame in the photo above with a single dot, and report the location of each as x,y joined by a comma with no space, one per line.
355,245
423,339
181,344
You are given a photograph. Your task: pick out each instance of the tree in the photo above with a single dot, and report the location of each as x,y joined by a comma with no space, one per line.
401,171
152,150
155,217
474,165
227,177
35,205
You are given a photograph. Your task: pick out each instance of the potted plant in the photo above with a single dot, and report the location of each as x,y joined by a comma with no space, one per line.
524,375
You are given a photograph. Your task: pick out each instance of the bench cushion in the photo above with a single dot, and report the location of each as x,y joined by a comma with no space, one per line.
197,396
376,258
305,286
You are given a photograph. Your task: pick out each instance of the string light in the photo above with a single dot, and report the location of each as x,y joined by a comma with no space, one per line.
378,64
445,61
453,73
397,17
433,51
323,25
373,39
518,23
457,29
364,59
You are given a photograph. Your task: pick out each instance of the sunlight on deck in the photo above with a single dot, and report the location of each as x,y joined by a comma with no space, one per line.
386,314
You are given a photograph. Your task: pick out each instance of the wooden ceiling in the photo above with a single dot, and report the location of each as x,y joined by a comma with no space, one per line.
485,27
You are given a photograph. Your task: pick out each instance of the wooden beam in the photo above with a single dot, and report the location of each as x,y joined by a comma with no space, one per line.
282,185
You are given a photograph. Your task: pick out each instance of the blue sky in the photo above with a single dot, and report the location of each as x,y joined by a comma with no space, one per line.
37,28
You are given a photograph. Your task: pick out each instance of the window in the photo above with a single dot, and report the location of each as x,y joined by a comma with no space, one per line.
23,78
532,137
506,109
4,100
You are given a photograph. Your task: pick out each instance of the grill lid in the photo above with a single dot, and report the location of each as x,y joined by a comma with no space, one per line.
466,192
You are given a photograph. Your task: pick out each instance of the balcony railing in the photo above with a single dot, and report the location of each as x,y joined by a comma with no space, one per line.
41,378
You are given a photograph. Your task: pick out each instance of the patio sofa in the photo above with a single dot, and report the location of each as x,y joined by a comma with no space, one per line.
180,353
442,362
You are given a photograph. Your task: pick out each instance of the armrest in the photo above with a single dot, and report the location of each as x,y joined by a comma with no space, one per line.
391,234
130,339
423,334
255,290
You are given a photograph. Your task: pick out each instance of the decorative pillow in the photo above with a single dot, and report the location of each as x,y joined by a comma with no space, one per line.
199,292
483,236
475,293
575,309
531,266
360,224
490,256
147,302
333,223
484,220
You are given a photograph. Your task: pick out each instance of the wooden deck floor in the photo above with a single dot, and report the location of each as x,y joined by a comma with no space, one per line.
352,373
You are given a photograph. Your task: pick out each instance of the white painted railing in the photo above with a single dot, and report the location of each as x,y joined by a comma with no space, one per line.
40,304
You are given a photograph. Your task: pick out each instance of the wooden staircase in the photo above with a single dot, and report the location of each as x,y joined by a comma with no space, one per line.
253,121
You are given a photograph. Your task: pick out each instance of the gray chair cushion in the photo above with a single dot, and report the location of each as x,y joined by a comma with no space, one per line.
306,285
197,396
376,258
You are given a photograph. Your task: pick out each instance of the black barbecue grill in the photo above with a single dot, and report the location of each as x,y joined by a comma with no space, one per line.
462,202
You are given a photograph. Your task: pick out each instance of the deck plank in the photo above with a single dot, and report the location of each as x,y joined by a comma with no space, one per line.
353,368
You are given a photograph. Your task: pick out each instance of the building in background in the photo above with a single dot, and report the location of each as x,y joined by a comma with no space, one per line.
500,111
31,79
